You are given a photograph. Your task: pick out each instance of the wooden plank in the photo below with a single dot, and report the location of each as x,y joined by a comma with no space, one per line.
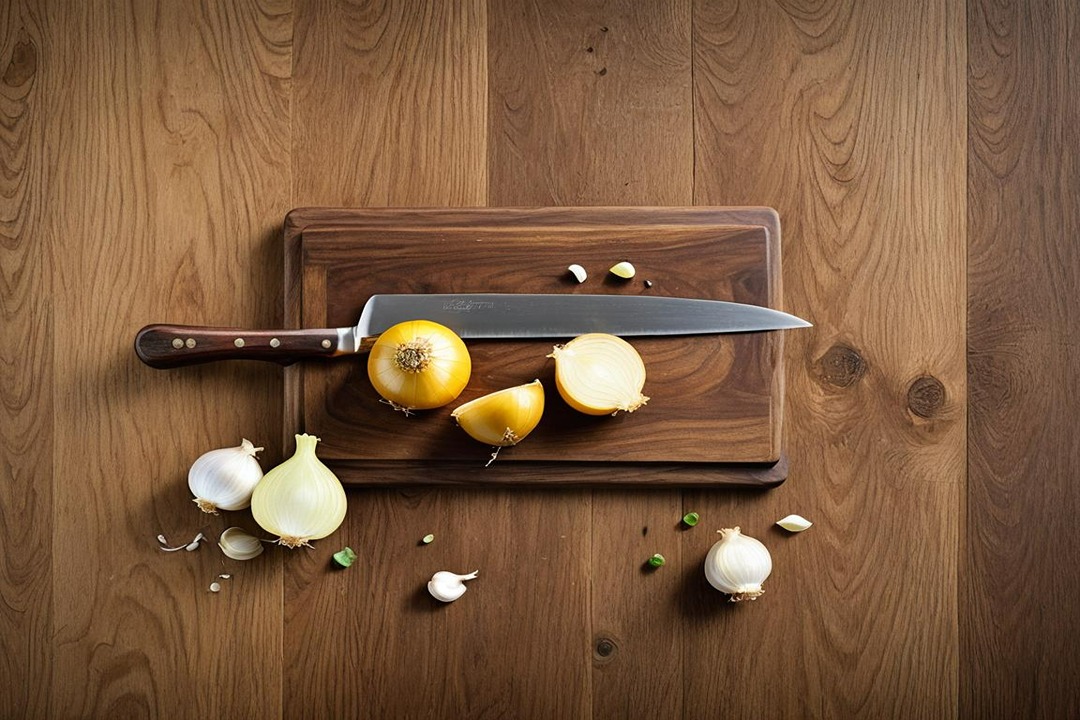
411,119
26,370
863,157
590,104
169,128
1019,621
388,104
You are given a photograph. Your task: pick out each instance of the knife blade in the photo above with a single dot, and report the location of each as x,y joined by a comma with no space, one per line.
506,316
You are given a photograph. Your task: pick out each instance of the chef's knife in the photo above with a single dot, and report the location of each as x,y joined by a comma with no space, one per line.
471,316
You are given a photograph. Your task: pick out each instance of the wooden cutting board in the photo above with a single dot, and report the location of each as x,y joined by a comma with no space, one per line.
715,413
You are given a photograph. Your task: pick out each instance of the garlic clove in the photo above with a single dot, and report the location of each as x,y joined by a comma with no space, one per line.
623,270
794,523
578,272
447,586
239,544
738,565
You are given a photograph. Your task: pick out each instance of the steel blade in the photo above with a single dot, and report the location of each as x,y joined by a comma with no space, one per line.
521,316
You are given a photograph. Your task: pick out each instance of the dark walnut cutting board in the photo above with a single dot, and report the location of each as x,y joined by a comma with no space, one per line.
715,412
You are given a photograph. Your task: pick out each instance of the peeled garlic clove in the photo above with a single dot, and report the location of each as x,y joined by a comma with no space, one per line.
578,272
238,544
504,417
224,479
623,270
447,586
738,565
794,523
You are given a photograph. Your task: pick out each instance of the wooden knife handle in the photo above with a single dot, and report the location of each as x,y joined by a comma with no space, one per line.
168,346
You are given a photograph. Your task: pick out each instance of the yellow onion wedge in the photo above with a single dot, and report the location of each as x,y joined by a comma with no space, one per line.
504,417
419,365
599,374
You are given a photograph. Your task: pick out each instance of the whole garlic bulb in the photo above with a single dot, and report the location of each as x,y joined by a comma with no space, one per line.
448,586
224,479
738,565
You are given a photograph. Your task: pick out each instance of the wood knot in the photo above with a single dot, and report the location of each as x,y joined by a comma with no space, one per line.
23,64
926,396
605,648
841,366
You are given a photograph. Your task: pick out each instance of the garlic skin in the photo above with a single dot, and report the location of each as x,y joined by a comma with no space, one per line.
738,565
224,479
301,499
447,586
794,523
239,544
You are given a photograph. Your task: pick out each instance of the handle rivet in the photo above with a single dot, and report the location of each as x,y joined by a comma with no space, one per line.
326,344
274,342
190,342
177,343
238,342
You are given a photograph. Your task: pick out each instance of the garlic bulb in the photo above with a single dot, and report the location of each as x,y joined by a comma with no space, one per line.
794,523
301,499
224,479
448,586
738,565
239,544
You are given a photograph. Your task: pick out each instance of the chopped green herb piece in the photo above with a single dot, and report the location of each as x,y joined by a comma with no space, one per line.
656,560
428,539
345,557
691,519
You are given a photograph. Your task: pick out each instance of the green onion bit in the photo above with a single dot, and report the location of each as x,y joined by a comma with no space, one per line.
345,557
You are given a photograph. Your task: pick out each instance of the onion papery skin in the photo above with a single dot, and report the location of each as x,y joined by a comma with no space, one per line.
599,374
505,417
419,365
301,499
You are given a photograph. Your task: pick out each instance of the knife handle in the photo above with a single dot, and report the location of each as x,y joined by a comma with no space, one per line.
168,346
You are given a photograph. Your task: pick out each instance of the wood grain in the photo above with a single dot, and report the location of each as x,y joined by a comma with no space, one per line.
389,103
863,158
169,130
411,118
148,152
26,371
590,104
1020,624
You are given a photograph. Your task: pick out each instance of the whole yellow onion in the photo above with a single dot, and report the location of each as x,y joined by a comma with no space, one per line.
419,365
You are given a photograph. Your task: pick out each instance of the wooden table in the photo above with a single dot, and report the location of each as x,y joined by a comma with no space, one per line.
922,157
